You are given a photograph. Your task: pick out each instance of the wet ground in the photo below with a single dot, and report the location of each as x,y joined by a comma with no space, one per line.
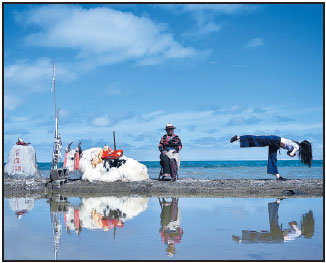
182,187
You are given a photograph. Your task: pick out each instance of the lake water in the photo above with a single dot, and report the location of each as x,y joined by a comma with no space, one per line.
138,228
293,169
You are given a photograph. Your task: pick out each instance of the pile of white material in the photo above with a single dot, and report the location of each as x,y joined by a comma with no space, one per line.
22,163
128,207
130,171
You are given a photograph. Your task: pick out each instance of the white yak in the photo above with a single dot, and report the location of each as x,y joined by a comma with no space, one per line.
130,170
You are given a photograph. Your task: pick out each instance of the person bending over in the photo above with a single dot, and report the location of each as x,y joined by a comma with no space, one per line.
274,143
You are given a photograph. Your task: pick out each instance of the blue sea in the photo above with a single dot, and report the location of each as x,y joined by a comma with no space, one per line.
292,169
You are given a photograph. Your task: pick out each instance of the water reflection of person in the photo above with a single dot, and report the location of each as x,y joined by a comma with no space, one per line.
170,230
276,233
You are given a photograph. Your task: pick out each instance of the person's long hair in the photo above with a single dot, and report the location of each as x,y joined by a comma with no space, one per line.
305,152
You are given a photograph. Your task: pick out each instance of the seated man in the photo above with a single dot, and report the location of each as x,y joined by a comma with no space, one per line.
170,145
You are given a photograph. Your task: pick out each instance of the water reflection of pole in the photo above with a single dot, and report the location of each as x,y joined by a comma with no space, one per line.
57,231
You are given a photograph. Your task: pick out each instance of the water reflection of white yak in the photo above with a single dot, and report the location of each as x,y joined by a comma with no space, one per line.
21,205
103,212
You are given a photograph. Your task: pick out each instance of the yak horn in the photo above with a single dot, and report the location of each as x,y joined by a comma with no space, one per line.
68,147
79,148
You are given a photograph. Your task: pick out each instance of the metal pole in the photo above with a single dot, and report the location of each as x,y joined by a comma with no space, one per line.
55,104
115,148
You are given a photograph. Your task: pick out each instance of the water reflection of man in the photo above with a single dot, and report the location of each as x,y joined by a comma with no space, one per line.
170,230
276,233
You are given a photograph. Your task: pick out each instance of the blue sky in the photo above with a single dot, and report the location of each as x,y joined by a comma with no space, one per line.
212,70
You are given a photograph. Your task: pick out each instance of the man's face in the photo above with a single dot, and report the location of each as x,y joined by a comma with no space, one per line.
169,131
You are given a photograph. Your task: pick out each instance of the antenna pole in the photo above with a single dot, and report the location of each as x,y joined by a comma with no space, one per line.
55,103
115,148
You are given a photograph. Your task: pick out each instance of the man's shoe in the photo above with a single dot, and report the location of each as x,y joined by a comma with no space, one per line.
281,179
234,138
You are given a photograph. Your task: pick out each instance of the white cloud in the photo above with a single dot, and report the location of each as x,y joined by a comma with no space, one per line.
153,114
212,8
25,77
118,89
33,76
216,8
151,125
255,42
102,121
11,102
103,34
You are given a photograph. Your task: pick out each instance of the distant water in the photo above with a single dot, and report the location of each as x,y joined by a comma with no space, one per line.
230,169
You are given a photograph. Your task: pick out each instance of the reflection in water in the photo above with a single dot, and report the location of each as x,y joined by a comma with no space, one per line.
170,230
276,233
103,213
94,213
58,205
21,205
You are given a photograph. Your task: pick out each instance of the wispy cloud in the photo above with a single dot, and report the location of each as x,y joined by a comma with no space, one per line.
255,42
103,34
27,77
18,132
279,118
101,121
211,8
33,76
239,121
143,131
212,131
118,89
11,102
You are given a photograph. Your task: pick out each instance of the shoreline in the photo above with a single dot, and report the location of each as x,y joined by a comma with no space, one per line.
243,188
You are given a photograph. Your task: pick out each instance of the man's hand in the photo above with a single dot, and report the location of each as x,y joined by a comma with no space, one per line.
175,151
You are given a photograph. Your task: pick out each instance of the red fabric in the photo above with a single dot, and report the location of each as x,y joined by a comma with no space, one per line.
76,218
22,143
65,162
105,154
115,154
65,217
77,161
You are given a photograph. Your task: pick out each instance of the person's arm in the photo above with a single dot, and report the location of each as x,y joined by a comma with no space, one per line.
295,149
161,146
178,144
293,152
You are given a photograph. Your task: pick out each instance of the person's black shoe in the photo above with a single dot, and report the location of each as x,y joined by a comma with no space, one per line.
281,179
234,138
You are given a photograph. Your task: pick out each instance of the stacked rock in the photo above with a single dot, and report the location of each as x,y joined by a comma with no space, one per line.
22,163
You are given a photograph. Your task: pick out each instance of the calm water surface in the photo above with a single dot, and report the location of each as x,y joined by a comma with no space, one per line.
137,228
